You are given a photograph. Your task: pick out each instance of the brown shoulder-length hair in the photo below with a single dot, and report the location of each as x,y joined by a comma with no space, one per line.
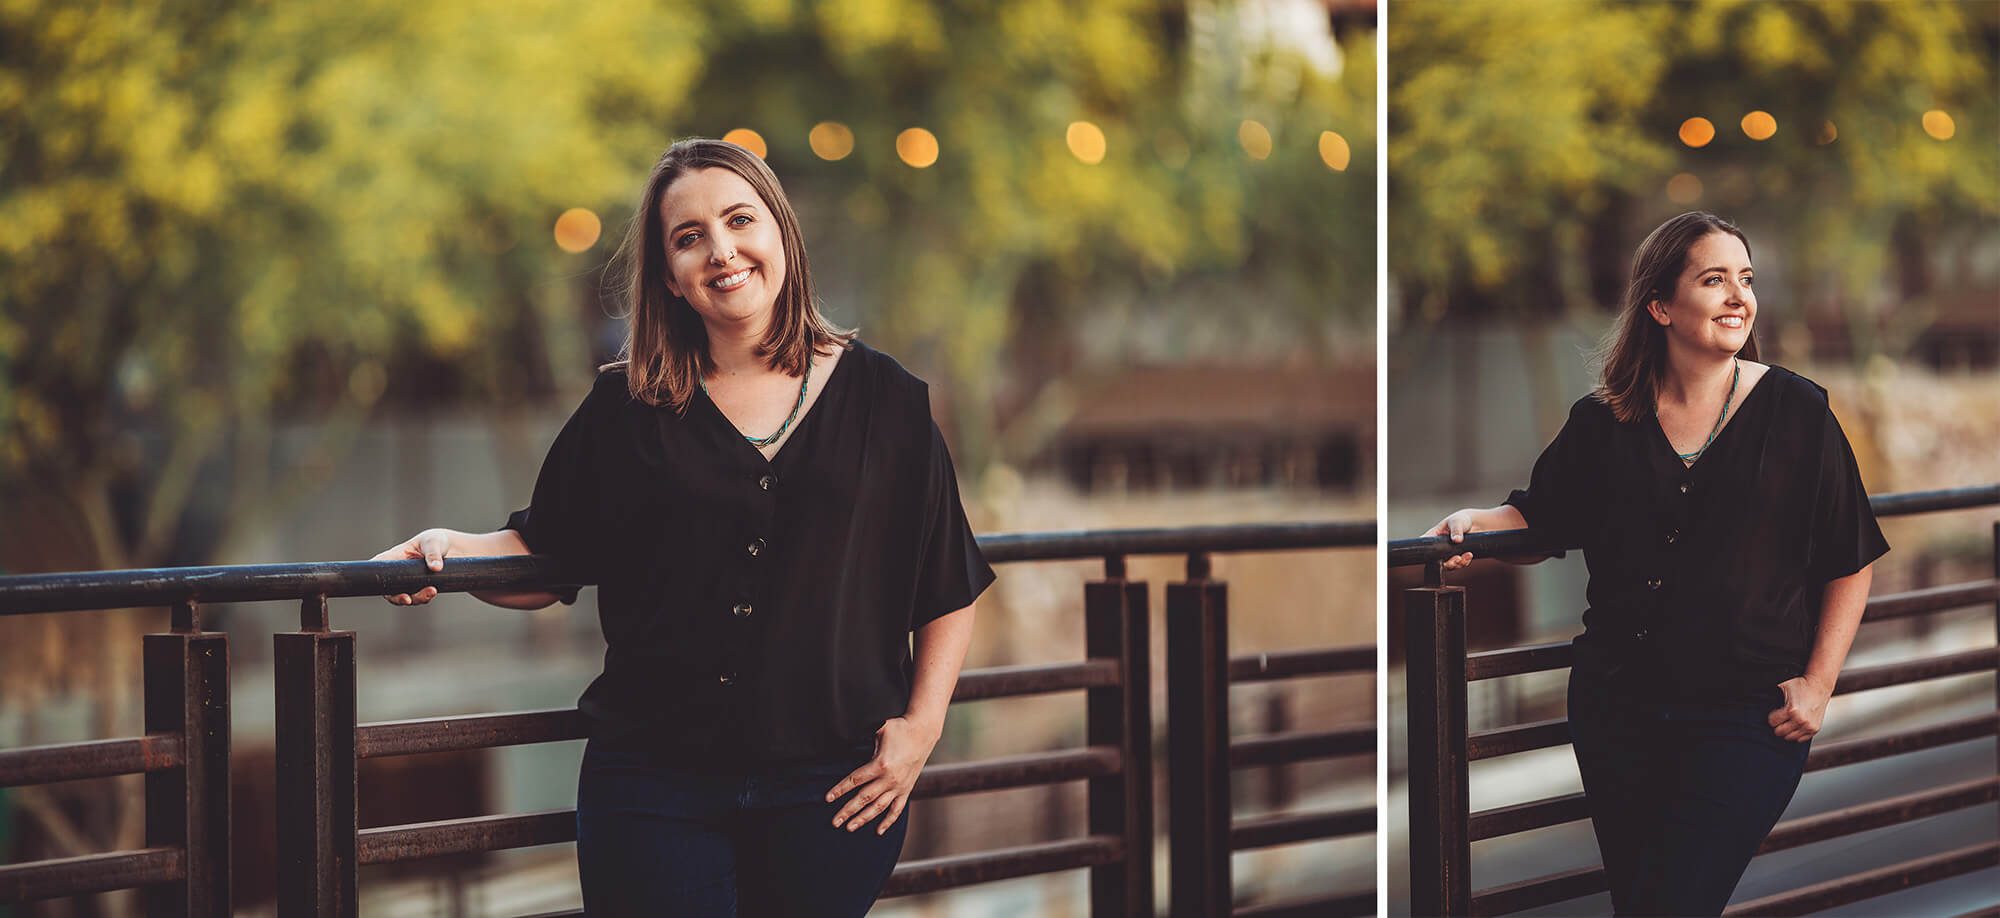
665,354
1634,355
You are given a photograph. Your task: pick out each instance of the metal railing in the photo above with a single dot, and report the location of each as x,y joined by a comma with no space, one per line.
1443,827
319,743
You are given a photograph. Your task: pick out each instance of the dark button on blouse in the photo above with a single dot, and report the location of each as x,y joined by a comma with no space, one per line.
681,524
1770,513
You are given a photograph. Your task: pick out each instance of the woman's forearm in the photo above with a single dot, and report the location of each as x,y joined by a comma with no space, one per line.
939,654
493,545
1840,612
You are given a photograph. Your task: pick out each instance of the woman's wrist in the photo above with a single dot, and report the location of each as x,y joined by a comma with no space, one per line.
932,725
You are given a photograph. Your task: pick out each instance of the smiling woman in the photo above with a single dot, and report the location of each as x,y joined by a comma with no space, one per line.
769,513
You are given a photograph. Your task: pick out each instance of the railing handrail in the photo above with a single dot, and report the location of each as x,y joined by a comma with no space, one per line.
24,594
1520,542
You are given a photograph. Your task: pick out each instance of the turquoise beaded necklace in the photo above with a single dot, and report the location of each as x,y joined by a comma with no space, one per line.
761,442
1691,458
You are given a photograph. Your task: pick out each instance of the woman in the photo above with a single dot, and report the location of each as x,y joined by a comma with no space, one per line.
1730,543
768,511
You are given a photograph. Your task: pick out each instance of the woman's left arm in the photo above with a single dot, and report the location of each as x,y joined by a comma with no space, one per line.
1806,696
903,744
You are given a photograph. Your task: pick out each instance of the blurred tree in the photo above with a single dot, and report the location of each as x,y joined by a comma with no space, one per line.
217,218
1532,140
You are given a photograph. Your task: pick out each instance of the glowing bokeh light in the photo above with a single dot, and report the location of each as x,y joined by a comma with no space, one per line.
748,140
830,140
1255,138
1939,125
577,230
1086,141
1684,188
1759,125
1696,132
1334,151
917,148
1827,133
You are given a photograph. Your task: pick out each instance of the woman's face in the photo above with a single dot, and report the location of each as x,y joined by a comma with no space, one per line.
1711,309
725,256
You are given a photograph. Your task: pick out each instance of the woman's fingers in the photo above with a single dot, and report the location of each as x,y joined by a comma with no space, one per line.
862,799
895,812
874,809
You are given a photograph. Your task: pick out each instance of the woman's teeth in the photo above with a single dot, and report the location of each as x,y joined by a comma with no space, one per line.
1729,321
731,280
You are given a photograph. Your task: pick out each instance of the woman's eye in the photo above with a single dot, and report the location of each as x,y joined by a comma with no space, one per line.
687,240
1712,279
1746,280
740,220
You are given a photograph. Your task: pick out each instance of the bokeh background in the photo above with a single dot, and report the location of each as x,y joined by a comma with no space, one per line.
289,282
1531,147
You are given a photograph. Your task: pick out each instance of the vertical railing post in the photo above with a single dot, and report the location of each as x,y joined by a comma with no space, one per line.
187,692
1440,839
317,869
1198,812
1116,627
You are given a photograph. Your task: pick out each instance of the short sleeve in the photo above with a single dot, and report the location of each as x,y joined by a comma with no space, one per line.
1558,498
556,521
953,571
1845,536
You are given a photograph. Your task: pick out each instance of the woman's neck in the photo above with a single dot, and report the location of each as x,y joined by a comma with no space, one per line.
1691,377
732,348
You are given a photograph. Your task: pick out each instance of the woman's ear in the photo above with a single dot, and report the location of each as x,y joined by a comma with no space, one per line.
1658,311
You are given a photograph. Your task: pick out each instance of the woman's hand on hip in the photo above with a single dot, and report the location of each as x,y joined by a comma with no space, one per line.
1804,709
433,546
902,746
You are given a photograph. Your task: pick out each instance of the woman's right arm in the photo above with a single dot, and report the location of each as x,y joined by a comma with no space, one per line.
435,545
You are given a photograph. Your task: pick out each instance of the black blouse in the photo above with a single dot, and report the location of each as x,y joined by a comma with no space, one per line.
757,612
1706,581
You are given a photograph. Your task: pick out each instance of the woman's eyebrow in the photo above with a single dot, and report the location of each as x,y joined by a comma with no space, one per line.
684,224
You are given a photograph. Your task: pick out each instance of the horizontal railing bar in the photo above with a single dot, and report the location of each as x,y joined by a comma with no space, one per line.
1523,817
1540,734
1016,771
394,844
1536,814
90,873
115,589
1907,671
1850,752
1332,905
1053,546
1035,679
1533,658
932,874
1518,542
1522,895
1882,881
94,759
1513,661
472,731
1287,828
1290,664
1544,734
1931,599
1875,814
1299,746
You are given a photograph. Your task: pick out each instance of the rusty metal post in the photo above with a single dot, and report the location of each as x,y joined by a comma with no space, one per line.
1198,812
1280,790
187,692
1116,626
314,670
1440,838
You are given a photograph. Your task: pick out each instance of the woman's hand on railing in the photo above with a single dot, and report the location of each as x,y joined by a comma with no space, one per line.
433,546
1492,519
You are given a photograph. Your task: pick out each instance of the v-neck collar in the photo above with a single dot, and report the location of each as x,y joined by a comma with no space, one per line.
1728,423
798,426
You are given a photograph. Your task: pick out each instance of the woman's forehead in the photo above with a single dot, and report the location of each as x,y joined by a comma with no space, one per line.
705,193
1718,248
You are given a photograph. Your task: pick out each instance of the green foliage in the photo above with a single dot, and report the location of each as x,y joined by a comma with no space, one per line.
1524,135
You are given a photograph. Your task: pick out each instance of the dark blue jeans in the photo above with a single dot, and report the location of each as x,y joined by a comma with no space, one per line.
657,840
1680,795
